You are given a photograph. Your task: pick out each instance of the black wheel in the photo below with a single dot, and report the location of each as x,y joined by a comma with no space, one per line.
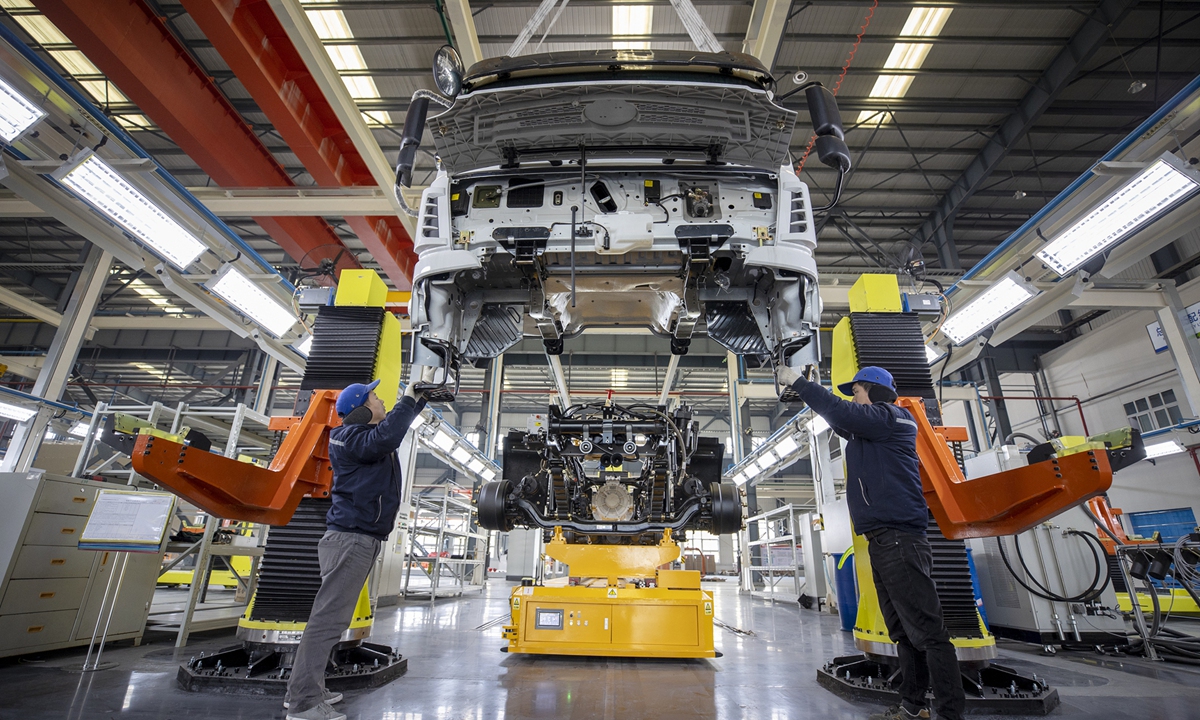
492,515
726,509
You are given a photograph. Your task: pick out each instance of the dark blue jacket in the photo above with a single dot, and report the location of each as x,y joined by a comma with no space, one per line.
366,472
883,477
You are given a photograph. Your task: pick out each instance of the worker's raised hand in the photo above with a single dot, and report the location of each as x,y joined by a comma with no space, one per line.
812,373
786,375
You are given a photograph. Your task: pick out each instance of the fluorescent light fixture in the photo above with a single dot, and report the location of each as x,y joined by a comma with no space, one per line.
922,22
1158,450
741,478
817,425
101,187
476,466
632,20
461,454
1008,294
252,301
1134,205
417,421
79,429
443,440
16,113
488,474
786,446
16,412
304,347
770,457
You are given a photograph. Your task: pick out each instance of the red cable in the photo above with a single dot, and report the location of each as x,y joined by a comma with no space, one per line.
845,68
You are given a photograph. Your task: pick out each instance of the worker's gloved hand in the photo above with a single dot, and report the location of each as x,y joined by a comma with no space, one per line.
409,392
812,373
787,376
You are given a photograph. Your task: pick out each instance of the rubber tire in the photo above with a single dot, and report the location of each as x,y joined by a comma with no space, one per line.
492,515
726,509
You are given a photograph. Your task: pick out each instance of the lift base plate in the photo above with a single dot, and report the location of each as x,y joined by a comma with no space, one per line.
365,665
991,689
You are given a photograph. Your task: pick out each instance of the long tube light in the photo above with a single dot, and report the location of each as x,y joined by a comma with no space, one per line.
16,412
94,181
252,301
1163,449
16,113
1010,293
1146,197
778,451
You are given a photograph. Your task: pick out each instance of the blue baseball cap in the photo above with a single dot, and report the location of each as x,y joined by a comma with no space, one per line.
871,374
353,397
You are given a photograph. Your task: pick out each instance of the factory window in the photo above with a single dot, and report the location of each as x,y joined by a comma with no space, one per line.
1172,524
1158,411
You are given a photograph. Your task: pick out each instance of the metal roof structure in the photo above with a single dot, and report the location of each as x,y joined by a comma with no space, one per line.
964,118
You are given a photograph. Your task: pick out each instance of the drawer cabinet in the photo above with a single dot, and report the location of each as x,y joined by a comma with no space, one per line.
43,594
50,590
30,630
66,498
55,529
53,561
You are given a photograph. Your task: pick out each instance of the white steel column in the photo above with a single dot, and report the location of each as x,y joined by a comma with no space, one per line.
669,380
492,409
462,22
266,386
60,358
1182,344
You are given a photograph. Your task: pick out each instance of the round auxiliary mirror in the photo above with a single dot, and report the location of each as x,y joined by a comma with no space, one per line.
448,71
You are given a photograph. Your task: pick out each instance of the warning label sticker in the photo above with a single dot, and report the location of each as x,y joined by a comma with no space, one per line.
612,592
708,607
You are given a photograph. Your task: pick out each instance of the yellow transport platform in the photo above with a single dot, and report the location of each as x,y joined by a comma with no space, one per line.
620,606
1178,602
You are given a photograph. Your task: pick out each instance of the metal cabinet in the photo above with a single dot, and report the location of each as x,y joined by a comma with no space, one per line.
51,592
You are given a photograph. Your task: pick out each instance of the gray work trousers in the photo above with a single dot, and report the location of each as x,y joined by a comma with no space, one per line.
346,560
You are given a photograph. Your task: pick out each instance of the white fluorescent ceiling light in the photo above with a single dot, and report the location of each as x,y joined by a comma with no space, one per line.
16,412
99,185
79,429
786,446
1163,449
1139,202
997,301
443,440
253,302
922,22
488,474
16,113
632,20
304,347
461,454
476,466
817,425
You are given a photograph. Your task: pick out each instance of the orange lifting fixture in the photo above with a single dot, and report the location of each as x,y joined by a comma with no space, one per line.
1004,503
227,488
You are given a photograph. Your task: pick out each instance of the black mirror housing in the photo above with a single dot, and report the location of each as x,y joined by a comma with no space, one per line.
823,108
410,143
833,152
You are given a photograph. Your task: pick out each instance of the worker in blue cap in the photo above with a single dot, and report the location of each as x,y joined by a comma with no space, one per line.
887,506
366,498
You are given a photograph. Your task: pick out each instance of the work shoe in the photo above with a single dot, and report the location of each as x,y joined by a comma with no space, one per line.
318,712
899,712
330,698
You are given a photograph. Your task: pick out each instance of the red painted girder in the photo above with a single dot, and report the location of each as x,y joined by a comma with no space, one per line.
137,52
257,48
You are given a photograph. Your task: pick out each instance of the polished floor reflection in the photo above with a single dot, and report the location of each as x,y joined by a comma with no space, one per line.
458,673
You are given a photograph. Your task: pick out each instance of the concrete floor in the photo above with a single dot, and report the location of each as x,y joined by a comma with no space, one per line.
458,673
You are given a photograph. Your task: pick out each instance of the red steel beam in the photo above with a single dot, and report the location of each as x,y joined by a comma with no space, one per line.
138,53
259,52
